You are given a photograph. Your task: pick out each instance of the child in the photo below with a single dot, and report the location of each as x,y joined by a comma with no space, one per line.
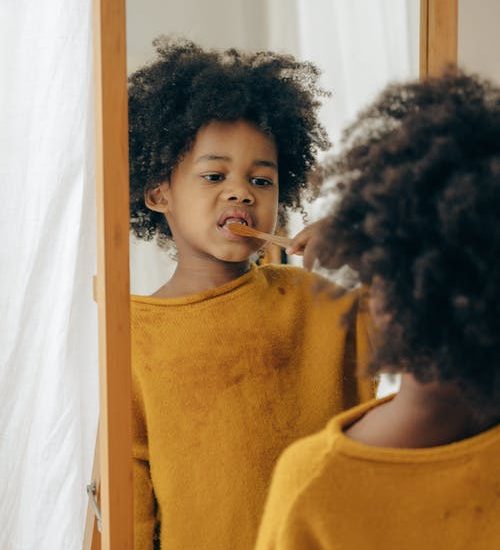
231,362
419,212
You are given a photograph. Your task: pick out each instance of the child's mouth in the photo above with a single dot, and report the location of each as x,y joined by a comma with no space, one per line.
236,216
224,228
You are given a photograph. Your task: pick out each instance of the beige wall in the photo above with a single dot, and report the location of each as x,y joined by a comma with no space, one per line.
211,23
479,37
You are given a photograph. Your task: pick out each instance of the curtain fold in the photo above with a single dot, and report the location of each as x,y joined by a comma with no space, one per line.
48,334
360,47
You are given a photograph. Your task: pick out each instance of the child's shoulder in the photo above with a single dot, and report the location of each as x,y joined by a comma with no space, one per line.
289,274
306,458
310,285
306,461
298,467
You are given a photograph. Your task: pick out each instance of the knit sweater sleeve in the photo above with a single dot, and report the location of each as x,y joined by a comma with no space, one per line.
144,502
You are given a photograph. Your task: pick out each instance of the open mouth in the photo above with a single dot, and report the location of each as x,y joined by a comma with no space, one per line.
235,215
230,216
228,221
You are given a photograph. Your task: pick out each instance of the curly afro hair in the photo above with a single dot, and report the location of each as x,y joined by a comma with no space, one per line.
187,87
419,184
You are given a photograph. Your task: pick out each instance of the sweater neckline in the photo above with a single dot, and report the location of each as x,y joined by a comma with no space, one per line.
240,283
451,451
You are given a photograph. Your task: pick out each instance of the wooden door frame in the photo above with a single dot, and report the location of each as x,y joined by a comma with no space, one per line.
113,477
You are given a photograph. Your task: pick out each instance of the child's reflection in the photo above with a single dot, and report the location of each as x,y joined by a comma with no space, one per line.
231,362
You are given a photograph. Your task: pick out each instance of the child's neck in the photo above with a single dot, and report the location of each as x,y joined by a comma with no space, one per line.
194,275
419,416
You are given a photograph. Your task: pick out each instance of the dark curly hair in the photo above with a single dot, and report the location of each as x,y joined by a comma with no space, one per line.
419,211
187,87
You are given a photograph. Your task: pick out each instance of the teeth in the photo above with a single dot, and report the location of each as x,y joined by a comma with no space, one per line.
235,220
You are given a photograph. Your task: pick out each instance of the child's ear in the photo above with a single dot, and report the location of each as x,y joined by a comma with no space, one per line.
157,198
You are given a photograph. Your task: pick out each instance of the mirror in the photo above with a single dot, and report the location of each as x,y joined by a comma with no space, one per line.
359,46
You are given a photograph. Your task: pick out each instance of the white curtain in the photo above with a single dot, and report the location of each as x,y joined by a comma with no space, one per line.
361,46
48,338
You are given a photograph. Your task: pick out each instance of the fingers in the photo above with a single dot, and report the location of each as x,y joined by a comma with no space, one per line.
310,257
305,243
299,242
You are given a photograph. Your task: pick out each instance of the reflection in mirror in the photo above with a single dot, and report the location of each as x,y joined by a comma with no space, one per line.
233,362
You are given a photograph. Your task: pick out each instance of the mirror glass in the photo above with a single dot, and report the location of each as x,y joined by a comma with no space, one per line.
359,46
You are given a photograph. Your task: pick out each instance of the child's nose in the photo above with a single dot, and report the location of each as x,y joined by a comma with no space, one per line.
239,194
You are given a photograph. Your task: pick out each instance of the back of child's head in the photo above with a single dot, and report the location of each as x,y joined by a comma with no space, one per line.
419,210
187,87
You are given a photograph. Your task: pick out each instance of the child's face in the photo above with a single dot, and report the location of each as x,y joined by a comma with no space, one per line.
231,172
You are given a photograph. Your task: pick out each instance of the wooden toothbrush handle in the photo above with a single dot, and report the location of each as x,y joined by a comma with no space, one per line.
284,242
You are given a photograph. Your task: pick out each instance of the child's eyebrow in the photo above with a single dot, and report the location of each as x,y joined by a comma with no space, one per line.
212,157
267,163
258,162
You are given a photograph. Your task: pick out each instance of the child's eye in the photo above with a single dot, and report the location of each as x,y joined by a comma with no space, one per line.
261,182
213,177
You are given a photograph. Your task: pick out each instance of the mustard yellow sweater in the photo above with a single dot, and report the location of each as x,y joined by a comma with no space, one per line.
223,382
331,492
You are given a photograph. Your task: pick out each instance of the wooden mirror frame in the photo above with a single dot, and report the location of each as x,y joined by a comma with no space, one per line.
438,35
112,473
